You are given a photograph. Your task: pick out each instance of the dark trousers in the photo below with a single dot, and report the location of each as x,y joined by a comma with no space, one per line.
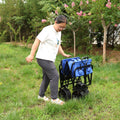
50,75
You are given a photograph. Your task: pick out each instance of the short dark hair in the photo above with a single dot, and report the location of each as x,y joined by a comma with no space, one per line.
61,19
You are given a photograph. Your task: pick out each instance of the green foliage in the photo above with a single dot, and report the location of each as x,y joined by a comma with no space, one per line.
28,40
48,5
3,36
110,15
15,32
19,20
29,13
20,13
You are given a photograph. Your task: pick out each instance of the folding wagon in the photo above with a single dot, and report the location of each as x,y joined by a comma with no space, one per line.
75,73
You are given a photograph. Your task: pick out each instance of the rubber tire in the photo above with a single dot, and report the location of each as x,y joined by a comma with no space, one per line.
64,93
80,90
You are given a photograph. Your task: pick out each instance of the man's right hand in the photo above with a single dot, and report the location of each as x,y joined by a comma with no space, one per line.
29,58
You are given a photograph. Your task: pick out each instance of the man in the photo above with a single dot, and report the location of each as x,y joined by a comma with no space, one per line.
49,40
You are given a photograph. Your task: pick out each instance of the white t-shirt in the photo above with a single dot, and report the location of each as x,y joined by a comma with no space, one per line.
50,41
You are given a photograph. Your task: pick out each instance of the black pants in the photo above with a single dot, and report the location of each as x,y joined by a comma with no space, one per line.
50,75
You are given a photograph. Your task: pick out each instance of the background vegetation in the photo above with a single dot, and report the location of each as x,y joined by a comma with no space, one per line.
20,20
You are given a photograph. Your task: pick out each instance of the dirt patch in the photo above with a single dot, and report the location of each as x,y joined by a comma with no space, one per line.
5,68
112,55
20,44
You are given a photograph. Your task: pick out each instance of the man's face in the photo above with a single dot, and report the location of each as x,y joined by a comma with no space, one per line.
60,26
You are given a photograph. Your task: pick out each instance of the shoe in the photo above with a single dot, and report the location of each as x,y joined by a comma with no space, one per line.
43,98
57,101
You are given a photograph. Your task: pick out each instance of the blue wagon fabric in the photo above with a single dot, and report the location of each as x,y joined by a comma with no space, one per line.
65,67
76,67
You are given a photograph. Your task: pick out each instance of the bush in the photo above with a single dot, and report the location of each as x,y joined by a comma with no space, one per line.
3,36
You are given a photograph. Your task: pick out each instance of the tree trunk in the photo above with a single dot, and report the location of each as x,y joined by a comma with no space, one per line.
20,36
74,43
104,41
11,36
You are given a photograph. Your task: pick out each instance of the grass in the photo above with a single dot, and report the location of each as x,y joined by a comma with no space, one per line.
19,87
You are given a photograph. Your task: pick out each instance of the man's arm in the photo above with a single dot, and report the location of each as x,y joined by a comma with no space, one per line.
60,50
30,57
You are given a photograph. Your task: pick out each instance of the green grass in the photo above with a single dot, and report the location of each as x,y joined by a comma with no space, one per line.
19,87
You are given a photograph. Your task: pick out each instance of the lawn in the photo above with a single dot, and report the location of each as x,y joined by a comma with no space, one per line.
19,87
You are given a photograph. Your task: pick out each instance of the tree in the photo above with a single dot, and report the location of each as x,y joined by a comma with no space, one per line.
77,15
24,13
12,13
105,11
108,12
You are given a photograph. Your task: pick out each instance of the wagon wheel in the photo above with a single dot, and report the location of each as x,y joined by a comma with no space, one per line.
86,91
77,94
83,87
80,90
64,93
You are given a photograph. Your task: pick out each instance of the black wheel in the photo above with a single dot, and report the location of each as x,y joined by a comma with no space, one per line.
64,93
81,86
86,91
80,90
77,94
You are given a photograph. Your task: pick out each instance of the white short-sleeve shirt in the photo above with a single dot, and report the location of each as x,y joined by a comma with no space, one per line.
50,41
